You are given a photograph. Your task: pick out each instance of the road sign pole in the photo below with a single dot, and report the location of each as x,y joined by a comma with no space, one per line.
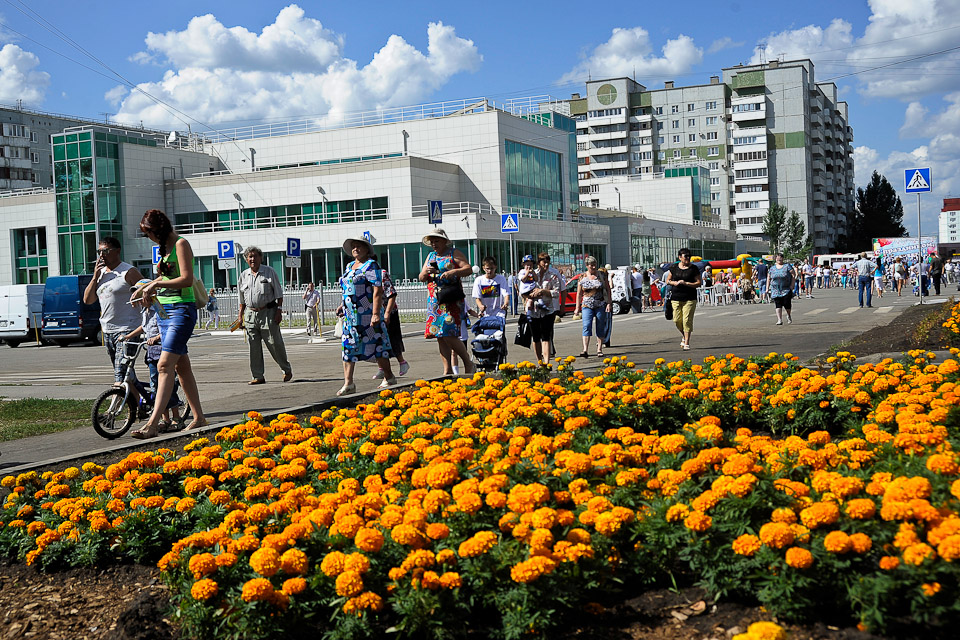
920,247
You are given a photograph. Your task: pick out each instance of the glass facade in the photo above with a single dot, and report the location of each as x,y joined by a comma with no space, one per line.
534,178
30,255
700,178
87,183
360,210
652,251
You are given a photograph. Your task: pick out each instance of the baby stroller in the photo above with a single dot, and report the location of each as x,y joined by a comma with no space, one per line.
747,292
490,344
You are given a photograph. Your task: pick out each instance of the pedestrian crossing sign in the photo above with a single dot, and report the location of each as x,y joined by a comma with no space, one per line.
509,222
917,180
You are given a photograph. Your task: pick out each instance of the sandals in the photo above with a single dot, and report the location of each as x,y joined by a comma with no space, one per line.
584,354
347,389
599,353
144,434
196,425
387,383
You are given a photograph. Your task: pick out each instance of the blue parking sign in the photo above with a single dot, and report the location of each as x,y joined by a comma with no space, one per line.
156,254
225,249
293,247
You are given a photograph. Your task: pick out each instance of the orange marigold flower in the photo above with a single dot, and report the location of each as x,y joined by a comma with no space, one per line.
746,545
349,584
479,544
799,558
204,589
257,589
368,540
819,513
776,535
202,564
888,563
529,570
293,586
915,554
930,589
294,561
451,580
265,561
861,508
861,542
698,521
837,542
677,512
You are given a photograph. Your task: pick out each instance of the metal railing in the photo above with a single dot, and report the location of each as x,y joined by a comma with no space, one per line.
411,301
28,191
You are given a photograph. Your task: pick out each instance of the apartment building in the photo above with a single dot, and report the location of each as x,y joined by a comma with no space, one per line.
949,220
766,133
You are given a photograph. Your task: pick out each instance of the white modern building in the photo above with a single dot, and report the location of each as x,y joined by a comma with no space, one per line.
319,182
766,133
949,221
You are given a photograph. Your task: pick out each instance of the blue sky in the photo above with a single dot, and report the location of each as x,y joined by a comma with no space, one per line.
218,63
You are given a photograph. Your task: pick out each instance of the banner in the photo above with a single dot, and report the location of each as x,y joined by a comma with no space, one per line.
890,248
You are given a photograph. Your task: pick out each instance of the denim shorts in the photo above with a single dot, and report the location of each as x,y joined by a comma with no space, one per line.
177,327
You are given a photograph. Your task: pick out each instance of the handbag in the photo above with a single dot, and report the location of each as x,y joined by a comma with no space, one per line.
449,292
668,307
338,330
200,296
524,337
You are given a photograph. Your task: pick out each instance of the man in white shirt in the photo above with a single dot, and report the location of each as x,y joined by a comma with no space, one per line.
311,298
490,290
636,289
261,309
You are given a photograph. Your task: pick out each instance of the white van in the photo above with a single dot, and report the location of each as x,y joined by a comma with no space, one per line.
21,307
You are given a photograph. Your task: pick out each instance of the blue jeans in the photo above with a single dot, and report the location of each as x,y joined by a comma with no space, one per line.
600,316
865,283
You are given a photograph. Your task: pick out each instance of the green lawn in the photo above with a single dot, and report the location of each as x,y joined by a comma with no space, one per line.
36,416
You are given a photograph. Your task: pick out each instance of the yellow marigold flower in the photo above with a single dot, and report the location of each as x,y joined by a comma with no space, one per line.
698,521
349,584
764,630
677,512
776,535
257,589
837,542
369,540
746,545
799,558
204,589
265,561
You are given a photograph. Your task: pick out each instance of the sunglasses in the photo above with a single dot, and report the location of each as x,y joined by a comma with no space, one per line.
103,251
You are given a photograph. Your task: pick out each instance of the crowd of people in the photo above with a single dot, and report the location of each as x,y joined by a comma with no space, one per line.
162,309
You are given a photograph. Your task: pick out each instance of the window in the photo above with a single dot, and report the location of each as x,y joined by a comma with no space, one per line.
711,135
659,126
658,111
693,153
691,122
691,137
661,155
750,106
711,120
749,155
714,182
15,131
35,157
715,211
750,173
33,137
751,188
676,139
749,204
713,151
711,105
715,196
675,124
714,166
675,108
677,153
659,139
746,140
690,106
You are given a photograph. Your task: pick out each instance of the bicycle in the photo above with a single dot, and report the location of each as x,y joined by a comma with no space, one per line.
117,408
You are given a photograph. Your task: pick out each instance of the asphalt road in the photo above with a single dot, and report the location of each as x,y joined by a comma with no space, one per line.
221,365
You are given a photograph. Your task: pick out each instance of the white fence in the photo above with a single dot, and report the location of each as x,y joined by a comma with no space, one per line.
411,300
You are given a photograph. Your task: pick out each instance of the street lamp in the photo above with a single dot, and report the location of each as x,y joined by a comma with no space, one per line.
239,210
618,198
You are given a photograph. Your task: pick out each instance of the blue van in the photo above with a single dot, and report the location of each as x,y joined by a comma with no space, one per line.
66,318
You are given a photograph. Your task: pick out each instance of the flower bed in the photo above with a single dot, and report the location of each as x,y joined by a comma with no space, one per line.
952,326
501,505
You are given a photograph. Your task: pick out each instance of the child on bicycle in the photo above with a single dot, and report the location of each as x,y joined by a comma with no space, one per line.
150,329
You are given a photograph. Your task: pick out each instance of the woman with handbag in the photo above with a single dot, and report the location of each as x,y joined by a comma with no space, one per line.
446,307
365,335
594,303
174,289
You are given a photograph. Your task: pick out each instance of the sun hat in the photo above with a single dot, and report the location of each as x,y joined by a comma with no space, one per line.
436,233
349,241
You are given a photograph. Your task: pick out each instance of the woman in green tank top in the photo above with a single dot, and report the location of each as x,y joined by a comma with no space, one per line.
173,288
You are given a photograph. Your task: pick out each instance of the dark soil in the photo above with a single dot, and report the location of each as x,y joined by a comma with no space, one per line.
917,327
129,602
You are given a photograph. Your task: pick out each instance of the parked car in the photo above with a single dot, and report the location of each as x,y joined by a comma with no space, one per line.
21,306
66,318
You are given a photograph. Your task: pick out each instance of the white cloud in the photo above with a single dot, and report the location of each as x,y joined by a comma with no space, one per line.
20,78
723,43
115,95
810,41
629,52
294,66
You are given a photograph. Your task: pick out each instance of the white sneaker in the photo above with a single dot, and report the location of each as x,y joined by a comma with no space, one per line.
789,320
389,382
404,367
779,322
456,370
378,375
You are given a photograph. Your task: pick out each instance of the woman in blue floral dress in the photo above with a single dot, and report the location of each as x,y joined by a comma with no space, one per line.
780,280
364,331
444,321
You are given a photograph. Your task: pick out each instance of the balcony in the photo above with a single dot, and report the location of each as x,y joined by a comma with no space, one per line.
818,195
818,165
815,119
602,166
816,150
610,135
606,151
16,163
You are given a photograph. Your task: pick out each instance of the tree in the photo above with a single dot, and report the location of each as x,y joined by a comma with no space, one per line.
879,214
794,235
774,226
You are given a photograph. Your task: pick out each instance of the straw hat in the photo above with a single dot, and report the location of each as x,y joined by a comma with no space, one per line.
350,241
436,233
